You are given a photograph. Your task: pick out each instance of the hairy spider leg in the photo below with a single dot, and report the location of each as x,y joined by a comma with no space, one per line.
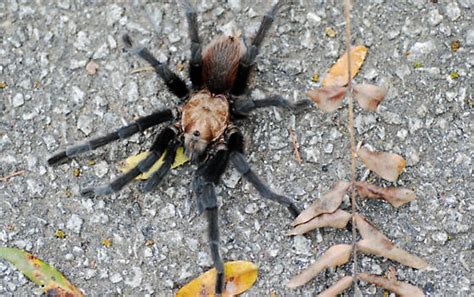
242,107
206,177
241,164
158,175
195,63
158,147
174,83
139,125
248,59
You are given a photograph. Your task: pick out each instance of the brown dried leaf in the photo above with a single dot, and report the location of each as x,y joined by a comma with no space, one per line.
395,196
369,96
337,219
387,165
328,99
337,288
375,243
328,203
337,75
400,288
334,256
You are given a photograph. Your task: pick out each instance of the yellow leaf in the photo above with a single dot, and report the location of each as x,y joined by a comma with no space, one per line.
239,277
133,161
337,75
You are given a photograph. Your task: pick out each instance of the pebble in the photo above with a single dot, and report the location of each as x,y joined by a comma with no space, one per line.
302,245
114,13
132,91
440,237
204,260
102,51
421,49
18,100
82,41
75,223
77,95
434,17
235,5
116,278
251,208
85,124
101,168
403,71
168,211
453,11
136,280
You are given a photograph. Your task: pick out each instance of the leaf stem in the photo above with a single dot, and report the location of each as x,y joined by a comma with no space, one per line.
347,9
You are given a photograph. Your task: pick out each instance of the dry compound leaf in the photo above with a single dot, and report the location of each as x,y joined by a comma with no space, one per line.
334,256
337,75
338,287
337,219
387,165
328,203
52,282
239,277
328,99
395,196
375,243
402,289
133,161
369,96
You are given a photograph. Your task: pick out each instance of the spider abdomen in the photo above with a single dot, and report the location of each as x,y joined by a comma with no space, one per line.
220,63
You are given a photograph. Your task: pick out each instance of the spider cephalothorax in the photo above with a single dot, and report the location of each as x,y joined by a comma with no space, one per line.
203,123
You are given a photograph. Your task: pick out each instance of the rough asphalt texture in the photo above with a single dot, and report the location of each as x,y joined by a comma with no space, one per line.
51,101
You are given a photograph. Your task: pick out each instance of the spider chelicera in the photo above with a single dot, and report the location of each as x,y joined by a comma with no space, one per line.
203,123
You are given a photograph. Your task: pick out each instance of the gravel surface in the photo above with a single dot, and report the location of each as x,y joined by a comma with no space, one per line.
157,244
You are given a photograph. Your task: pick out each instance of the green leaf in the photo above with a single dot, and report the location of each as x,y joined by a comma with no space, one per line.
47,277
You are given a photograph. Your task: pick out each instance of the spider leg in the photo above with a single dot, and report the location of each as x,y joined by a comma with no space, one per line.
248,59
207,176
195,64
157,149
242,107
235,142
158,176
174,83
139,125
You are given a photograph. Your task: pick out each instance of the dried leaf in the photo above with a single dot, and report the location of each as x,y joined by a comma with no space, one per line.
328,203
133,161
395,196
337,219
337,75
375,243
328,99
387,165
338,287
400,288
369,96
51,281
334,256
239,277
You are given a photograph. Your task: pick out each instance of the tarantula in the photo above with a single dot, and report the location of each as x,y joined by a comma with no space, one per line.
203,123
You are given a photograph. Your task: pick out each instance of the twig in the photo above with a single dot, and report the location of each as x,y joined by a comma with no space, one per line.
347,13
295,146
13,174
142,69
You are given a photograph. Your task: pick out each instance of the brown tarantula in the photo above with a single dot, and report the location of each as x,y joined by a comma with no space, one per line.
203,123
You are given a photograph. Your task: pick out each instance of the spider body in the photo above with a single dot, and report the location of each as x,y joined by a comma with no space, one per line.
203,123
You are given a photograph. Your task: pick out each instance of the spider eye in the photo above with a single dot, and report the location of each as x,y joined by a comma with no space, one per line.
196,133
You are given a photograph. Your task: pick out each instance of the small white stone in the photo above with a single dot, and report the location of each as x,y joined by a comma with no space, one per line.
75,223
101,169
136,280
77,95
421,49
302,245
434,17
168,211
328,148
251,208
82,41
114,13
313,18
402,134
440,237
18,100
116,278
132,91
85,123
453,11
235,5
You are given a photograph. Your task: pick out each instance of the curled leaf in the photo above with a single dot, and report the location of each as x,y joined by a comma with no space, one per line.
387,165
395,196
337,219
402,289
334,256
328,99
337,75
328,203
133,161
51,280
375,243
369,96
338,287
239,277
